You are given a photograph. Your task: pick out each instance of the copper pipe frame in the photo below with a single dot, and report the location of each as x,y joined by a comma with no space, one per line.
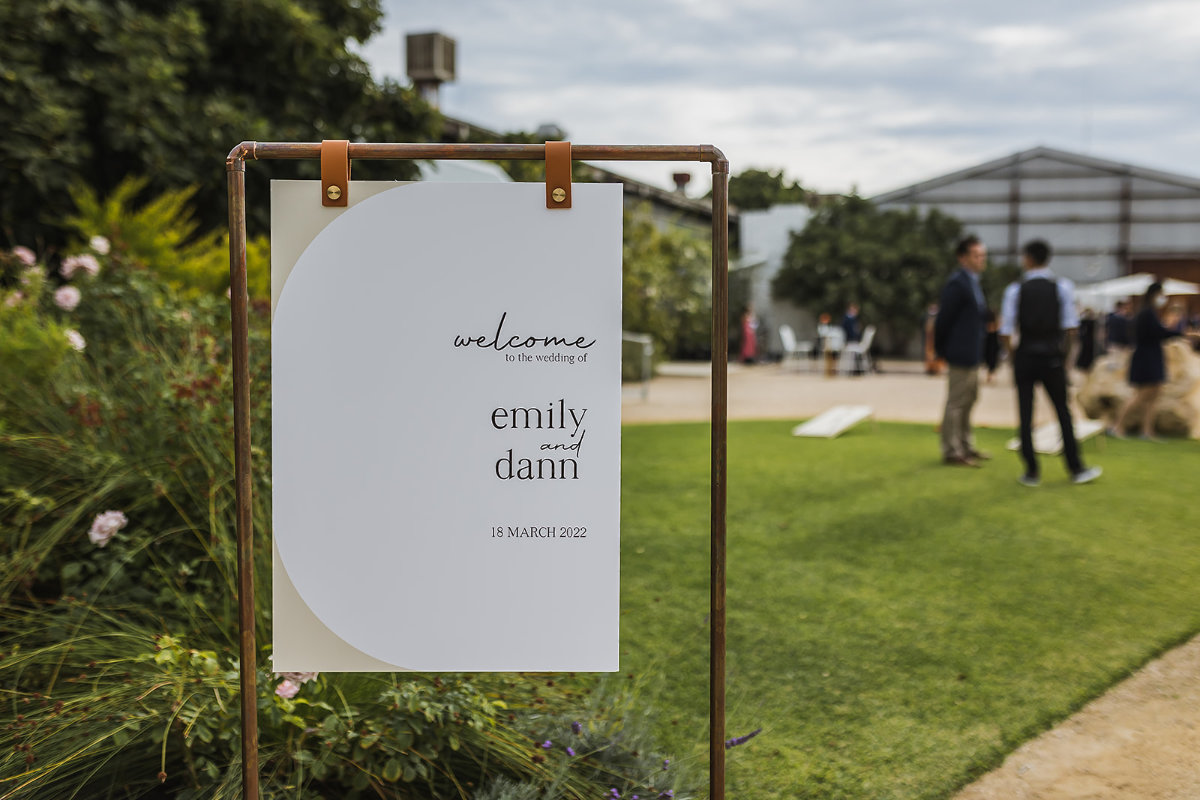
235,166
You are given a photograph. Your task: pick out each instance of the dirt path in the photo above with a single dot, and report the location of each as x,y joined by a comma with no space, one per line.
1140,741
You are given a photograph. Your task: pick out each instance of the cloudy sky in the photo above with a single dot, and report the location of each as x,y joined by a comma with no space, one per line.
873,94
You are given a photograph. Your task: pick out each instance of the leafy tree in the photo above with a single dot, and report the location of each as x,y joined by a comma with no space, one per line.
666,287
892,263
94,91
757,189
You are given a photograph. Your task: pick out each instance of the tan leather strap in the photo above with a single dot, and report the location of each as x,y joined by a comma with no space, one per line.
335,172
558,174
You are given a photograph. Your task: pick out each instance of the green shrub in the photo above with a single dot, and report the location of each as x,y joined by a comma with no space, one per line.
118,608
32,343
163,235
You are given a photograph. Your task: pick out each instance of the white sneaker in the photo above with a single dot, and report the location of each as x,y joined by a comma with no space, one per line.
1029,480
1086,475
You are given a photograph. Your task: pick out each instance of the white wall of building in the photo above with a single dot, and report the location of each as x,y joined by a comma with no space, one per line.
765,237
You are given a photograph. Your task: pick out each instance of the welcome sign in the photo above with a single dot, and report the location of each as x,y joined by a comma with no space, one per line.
446,428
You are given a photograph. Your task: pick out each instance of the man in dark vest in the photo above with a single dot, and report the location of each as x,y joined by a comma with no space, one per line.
1040,310
958,339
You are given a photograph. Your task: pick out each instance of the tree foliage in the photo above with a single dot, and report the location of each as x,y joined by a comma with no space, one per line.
94,91
666,291
757,189
892,263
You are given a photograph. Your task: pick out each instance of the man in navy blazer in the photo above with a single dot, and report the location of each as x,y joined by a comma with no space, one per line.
958,335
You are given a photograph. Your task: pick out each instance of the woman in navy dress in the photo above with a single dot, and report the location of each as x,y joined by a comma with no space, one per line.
1147,367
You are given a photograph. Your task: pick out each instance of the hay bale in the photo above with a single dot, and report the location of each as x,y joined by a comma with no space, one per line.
1105,390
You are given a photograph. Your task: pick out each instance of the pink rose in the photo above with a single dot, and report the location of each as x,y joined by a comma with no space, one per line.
72,264
100,245
289,687
105,525
300,677
25,255
67,297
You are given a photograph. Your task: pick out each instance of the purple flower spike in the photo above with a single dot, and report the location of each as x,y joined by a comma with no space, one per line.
667,795
737,740
546,745
570,751
666,763
576,728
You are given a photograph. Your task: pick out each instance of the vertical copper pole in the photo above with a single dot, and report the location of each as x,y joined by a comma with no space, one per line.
236,171
720,394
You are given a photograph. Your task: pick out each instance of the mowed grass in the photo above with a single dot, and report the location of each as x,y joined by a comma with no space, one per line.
895,626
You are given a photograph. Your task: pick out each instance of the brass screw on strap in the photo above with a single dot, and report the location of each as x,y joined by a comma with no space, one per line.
559,194
333,192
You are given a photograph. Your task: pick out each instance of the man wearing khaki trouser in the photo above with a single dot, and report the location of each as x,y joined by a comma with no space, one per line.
958,338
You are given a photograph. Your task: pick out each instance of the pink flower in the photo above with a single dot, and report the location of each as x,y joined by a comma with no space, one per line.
14,299
25,255
67,297
76,339
289,687
72,264
105,525
100,245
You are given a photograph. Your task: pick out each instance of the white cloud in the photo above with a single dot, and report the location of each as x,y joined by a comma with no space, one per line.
865,92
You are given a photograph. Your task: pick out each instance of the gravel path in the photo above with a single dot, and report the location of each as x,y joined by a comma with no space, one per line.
1140,741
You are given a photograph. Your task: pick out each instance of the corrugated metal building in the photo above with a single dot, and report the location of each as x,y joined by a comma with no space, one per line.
1103,219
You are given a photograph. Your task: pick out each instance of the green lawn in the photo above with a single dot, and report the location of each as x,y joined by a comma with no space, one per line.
896,626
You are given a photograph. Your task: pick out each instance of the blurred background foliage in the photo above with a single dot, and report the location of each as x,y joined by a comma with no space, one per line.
891,263
94,91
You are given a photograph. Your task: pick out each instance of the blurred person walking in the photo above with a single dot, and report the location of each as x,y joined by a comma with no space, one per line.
749,351
1147,366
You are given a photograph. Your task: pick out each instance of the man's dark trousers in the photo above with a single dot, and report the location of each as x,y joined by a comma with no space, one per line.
1049,370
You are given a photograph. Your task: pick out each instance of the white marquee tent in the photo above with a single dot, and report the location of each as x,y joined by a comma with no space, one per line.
1101,296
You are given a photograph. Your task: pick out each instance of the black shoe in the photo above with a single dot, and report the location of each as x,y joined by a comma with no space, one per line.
960,461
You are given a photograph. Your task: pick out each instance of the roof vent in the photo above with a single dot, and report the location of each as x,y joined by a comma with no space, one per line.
430,62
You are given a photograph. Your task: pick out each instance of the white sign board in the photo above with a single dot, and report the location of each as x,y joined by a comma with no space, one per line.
446,428
1047,438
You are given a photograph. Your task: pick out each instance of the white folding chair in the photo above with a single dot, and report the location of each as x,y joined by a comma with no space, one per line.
794,353
857,355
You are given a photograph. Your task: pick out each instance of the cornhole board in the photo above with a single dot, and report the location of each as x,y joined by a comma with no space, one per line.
833,422
1047,439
